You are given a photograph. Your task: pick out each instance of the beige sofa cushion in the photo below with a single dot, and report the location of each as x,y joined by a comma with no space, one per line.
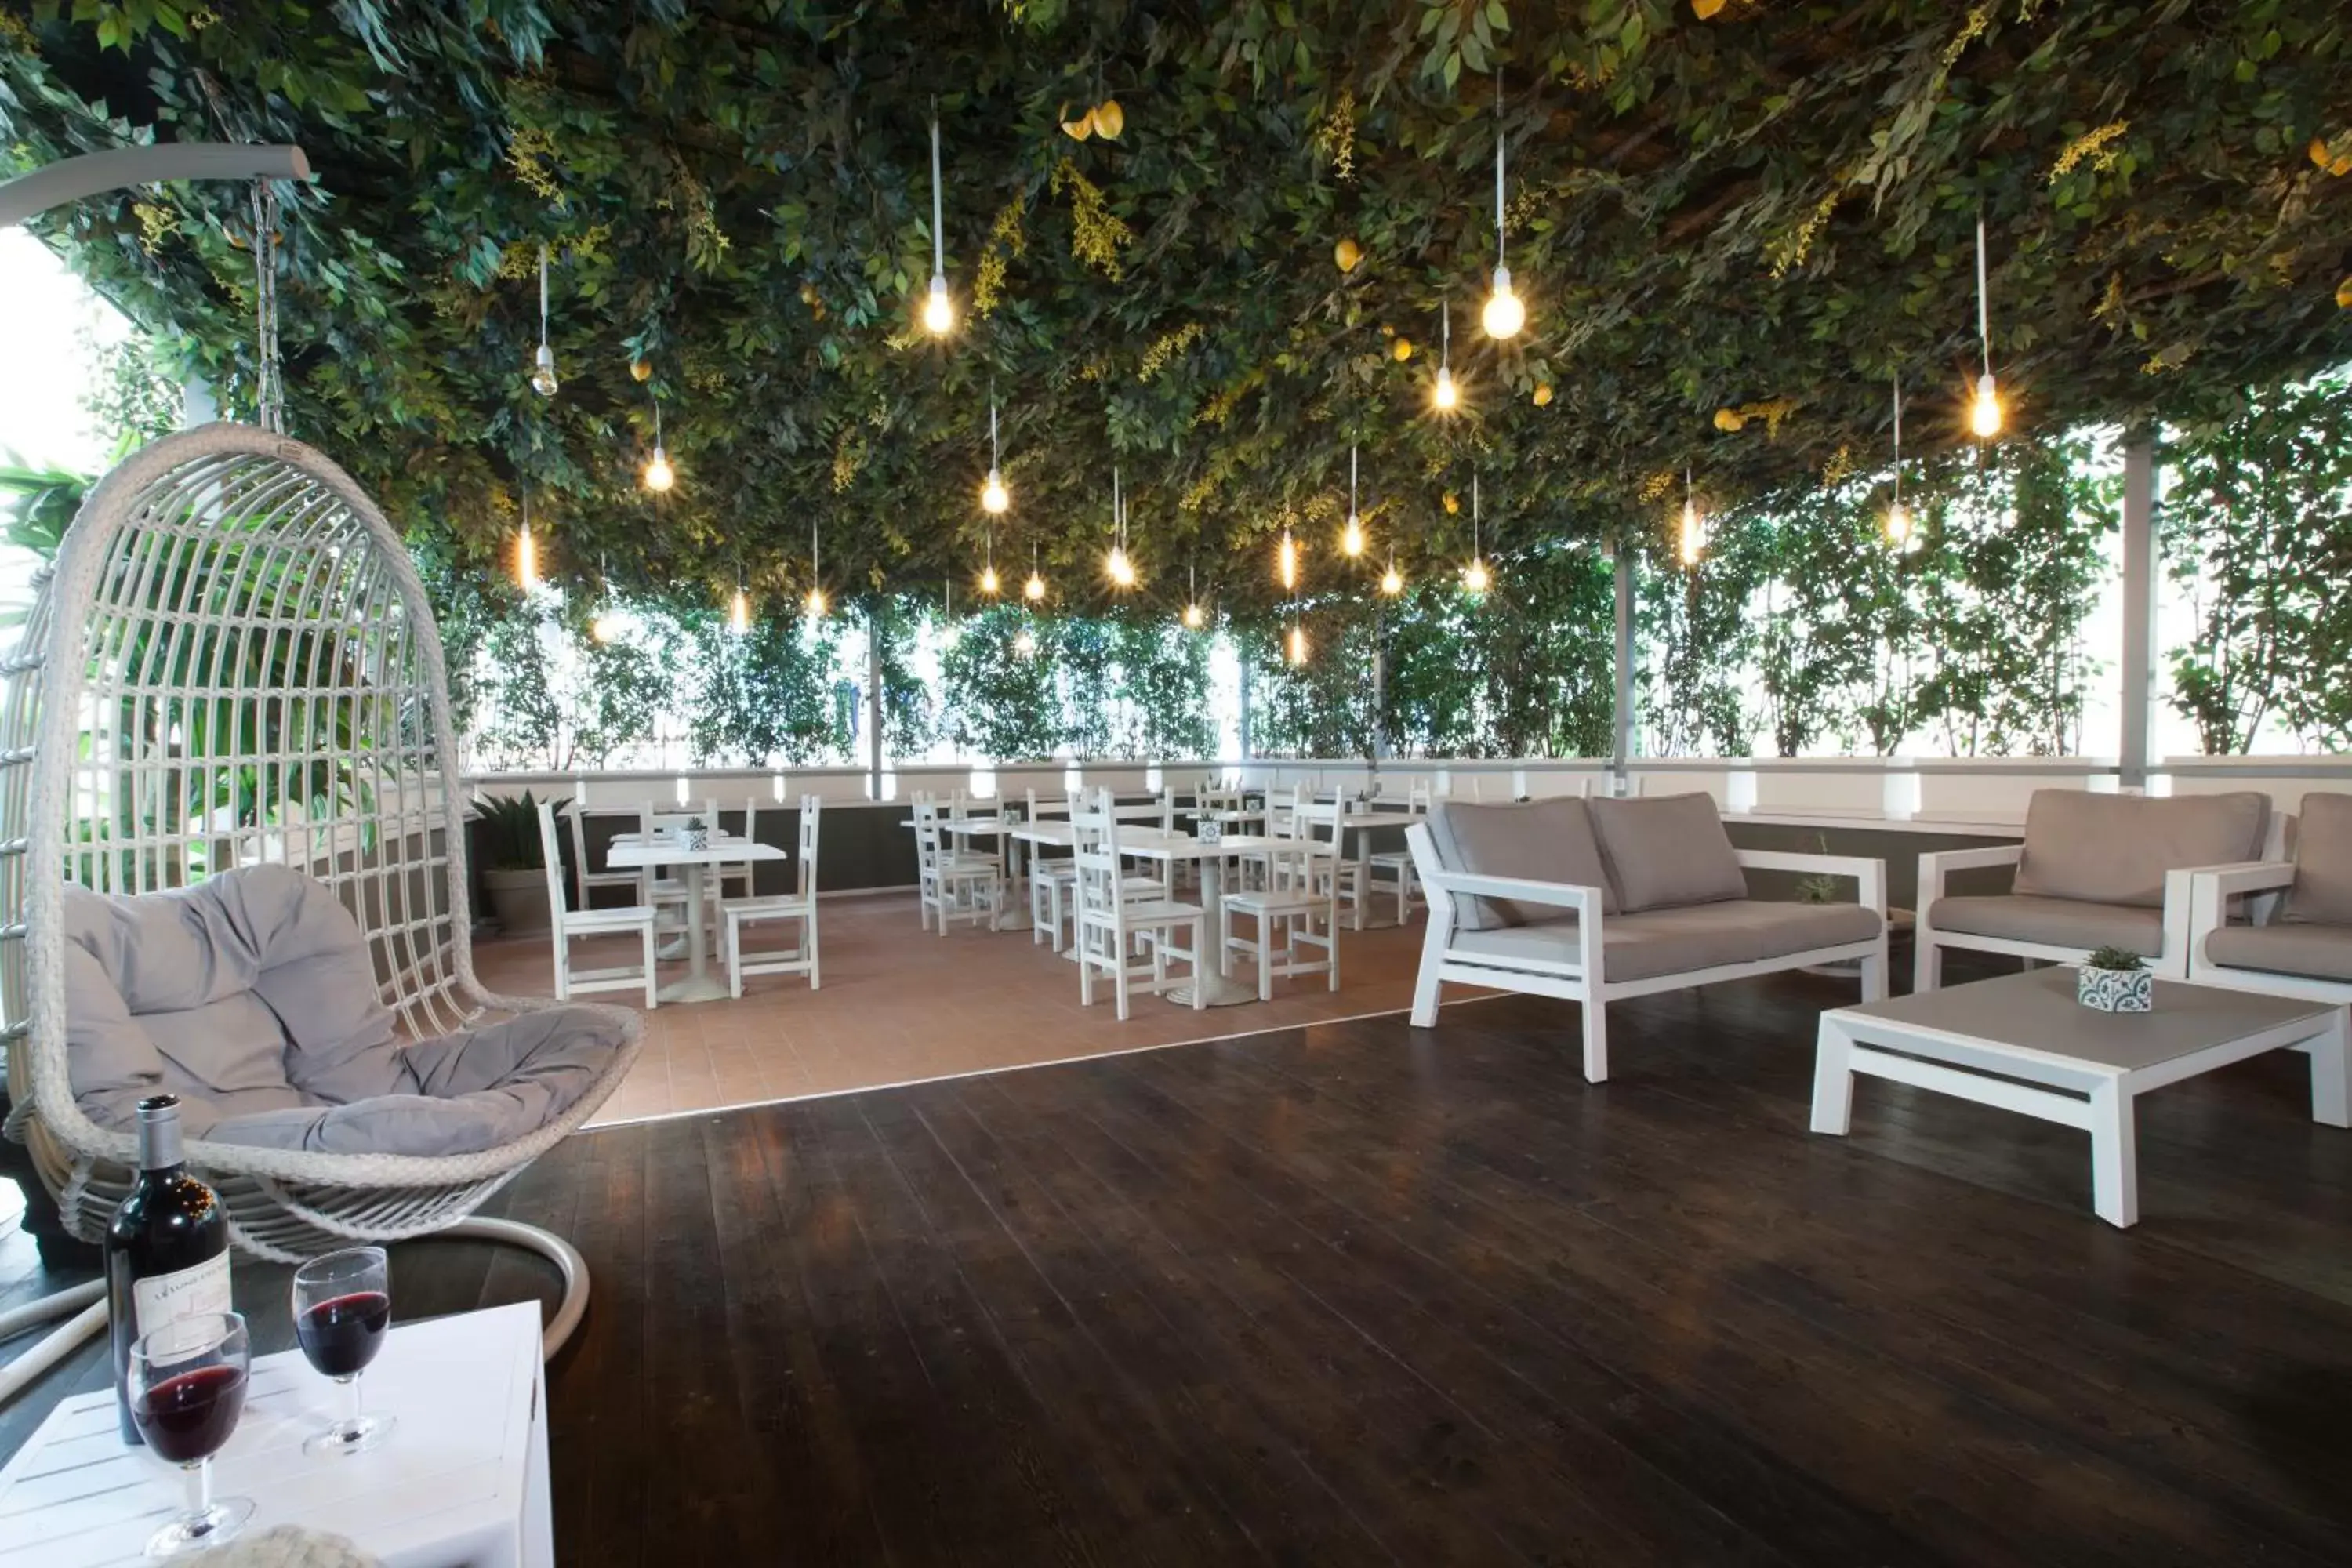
2323,862
2055,922
1544,840
2115,848
2304,947
1667,851
1685,940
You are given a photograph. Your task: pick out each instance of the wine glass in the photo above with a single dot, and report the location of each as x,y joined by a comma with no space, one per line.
187,1389
342,1305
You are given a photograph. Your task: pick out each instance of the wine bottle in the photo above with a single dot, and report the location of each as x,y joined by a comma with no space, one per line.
166,1248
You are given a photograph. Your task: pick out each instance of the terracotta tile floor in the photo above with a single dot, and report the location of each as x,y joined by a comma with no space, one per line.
901,1004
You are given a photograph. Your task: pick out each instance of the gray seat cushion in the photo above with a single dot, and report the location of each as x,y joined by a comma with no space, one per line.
1666,851
252,997
2323,862
2115,848
2307,948
2055,922
1544,840
1681,941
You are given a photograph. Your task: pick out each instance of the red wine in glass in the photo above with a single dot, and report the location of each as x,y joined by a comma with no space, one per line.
188,1418
341,1335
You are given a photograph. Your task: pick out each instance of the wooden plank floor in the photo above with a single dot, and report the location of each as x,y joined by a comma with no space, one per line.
1361,1292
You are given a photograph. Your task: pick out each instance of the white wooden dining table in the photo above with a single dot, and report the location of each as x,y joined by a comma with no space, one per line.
1210,855
633,852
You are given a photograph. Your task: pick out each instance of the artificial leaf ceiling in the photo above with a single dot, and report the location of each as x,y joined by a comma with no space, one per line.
1208,243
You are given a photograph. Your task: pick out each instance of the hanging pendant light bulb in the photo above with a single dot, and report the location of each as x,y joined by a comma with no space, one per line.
1351,538
1474,576
1286,561
988,582
739,614
1298,649
939,311
1506,314
659,475
816,603
1984,412
1898,519
542,372
1033,590
1024,643
1392,580
1692,541
605,624
1195,617
526,550
1443,395
1119,568
993,497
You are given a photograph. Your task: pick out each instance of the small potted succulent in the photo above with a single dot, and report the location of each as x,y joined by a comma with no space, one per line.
697,835
2114,981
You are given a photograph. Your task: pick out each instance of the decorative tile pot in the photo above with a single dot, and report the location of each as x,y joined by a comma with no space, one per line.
699,839
2115,990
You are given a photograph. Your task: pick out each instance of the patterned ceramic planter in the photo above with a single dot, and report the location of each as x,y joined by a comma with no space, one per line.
2115,990
699,839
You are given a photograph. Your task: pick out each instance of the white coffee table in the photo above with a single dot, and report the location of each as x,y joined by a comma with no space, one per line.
2024,1043
462,1480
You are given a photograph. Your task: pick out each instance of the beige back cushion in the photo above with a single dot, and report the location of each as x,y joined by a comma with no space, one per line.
1667,851
1544,840
2115,848
2323,862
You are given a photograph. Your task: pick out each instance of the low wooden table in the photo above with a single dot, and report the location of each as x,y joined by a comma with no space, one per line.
2024,1043
462,1480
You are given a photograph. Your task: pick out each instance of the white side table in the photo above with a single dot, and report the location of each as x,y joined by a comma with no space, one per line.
462,1480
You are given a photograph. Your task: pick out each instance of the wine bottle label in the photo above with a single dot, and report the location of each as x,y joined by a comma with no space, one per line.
162,1299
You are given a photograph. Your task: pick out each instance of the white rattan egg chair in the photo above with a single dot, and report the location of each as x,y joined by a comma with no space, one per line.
234,661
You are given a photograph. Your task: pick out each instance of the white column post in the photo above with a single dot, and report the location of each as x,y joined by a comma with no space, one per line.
873,705
2137,665
1623,745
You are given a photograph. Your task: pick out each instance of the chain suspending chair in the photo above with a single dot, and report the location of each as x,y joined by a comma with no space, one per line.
234,662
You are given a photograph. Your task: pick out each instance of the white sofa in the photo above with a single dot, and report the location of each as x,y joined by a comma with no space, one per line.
1596,899
2095,870
2301,947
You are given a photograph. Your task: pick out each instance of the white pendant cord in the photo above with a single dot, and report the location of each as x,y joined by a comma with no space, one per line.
1351,482
994,456
1474,516
1445,336
657,440
542,297
1984,307
270,376
1898,439
938,238
1499,259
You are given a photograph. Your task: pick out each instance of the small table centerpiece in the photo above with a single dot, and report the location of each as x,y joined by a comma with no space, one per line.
2112,980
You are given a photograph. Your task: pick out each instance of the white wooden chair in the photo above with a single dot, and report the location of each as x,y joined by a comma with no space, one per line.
736,878
666,895
798,905
568,925
585,877
1394,866
1299,904
1109,923
952,885
1053,897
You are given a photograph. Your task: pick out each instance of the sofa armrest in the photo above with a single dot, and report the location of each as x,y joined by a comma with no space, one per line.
1584,900
1869,874
1934,866
2197,902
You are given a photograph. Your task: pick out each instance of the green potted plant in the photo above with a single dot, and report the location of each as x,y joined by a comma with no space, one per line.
514,865
697,834
2112,980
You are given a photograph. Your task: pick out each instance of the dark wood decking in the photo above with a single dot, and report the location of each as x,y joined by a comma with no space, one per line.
1362,1292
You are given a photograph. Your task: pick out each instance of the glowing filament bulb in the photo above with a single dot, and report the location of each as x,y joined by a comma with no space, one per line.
1195,617
1505,312
1898,524
1298,645
814,604
987,580
1445,395
1287,560
659,475
1024,642
526,559
606,627
939,311
1690,532
1351,538
1121,570
1474,576
993,497
1392,581
1984,414
1033,589
738,614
